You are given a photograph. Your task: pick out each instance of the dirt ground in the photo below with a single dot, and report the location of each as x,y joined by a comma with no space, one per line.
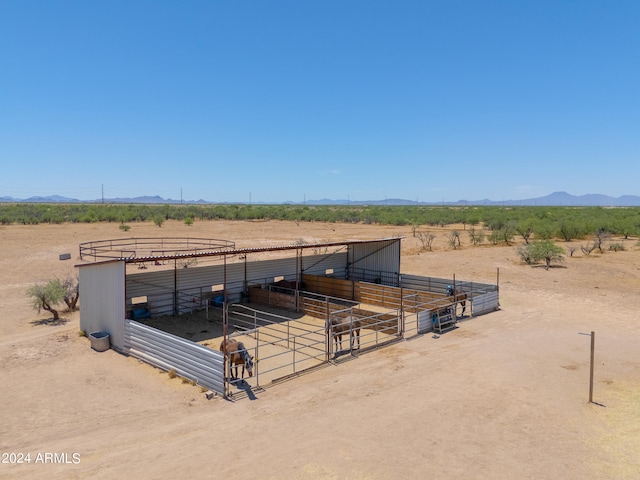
504,396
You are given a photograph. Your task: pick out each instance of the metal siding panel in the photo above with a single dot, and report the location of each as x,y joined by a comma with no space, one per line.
264,271
485,303
319,264
380,257
102,300
149,283
167,351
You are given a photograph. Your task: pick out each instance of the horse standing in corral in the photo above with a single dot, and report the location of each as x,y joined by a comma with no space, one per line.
237,354
458,296
341,325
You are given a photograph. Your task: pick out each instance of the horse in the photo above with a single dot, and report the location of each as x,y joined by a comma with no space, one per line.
342,325
458,296
237,354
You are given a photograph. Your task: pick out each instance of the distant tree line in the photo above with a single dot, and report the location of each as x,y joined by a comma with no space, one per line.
504,223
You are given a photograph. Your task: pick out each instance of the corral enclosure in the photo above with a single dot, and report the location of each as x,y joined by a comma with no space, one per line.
282,309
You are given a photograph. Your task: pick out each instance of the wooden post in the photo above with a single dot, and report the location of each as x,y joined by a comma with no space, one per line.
593,343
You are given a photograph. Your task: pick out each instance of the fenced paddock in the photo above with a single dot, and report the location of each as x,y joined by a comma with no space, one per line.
288,331
280,308
281,345
169,352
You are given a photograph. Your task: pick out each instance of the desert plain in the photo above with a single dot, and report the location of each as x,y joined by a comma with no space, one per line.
503,396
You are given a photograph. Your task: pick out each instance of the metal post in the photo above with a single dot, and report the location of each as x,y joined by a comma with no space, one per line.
257,358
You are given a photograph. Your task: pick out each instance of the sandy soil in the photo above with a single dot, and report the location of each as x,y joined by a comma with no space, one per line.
504,396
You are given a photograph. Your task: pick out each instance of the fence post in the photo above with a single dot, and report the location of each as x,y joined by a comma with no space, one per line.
593,342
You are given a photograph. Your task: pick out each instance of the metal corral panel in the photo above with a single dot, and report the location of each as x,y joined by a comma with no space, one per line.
425,321
102,299
163,350
372,262
439,285
487,302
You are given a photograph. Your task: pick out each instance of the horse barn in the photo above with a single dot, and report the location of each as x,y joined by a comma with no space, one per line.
171,302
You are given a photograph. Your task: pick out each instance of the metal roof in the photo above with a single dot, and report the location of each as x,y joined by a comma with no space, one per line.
240,251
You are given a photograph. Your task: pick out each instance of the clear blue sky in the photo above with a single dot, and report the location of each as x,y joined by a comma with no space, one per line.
238,100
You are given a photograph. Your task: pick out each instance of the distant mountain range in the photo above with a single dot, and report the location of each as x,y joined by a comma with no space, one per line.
562,199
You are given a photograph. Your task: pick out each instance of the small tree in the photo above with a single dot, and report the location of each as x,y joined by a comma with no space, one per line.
47,296
426,238
454,239
600,238
546,250
525,229
71,292
188,221
158,220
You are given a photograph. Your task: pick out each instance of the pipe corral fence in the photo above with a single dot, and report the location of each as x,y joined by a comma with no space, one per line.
290,331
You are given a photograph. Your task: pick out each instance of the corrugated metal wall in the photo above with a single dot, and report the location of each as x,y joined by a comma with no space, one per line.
485,303
163,350
375,262
102,300
160,286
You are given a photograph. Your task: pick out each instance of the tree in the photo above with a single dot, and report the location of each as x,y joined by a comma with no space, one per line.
545,250
600,237
47,296
71,292
525,229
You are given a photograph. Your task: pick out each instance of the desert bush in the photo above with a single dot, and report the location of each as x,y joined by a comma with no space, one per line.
124,227
453,239
476,237
426,239
587,249
172,373
616,247
524,254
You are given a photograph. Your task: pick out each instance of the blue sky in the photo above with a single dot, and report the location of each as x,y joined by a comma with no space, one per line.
239,100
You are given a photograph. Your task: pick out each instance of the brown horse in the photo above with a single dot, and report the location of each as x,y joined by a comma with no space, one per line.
458,296
343,325
237,354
